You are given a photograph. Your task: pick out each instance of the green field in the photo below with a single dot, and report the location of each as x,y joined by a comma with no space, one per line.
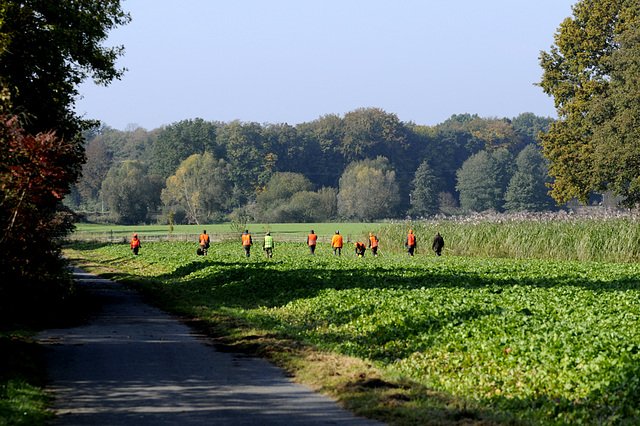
496,340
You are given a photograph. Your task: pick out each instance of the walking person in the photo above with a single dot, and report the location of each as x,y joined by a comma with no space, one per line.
204,242
247,242
438,244
312,238
373,244
135,244
336,243
410,243
267,245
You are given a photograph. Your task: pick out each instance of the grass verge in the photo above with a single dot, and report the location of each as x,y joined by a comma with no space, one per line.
22,379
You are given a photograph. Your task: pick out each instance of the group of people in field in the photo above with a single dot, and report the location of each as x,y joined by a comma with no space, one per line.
337,243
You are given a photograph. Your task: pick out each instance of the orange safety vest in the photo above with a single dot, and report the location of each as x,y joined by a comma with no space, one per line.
204,238
246,239
135,242
312,239
411,239
374,241
336,241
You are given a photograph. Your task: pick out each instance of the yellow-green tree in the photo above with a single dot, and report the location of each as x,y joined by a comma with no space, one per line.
368,191
582,72
281,187
201,186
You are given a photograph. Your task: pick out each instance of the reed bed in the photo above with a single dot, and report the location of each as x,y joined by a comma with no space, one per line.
609,236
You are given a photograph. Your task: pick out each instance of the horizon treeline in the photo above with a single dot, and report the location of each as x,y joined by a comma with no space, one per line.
365,165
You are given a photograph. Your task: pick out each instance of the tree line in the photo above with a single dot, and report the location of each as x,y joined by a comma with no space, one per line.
365,165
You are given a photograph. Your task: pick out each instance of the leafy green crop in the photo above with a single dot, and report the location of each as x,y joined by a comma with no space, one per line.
546,341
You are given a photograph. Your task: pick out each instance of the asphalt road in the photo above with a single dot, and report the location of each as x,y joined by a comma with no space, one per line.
131,363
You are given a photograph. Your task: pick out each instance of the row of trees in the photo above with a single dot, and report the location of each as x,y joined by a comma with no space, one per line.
366,165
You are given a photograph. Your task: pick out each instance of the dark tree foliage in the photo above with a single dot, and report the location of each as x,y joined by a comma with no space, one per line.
33,180
324,136
527,190
47,48
131,192
529,126
94,170
591,73
179,141
425,188
483,180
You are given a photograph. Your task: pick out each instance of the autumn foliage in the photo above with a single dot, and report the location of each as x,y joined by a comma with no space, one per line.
35,174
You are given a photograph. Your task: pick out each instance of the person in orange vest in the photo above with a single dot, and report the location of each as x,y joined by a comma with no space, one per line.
246,242
373,244
360,249
135,244
336,243
311,242
204,242
410,243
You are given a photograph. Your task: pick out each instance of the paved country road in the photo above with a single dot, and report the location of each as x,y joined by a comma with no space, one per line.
133,364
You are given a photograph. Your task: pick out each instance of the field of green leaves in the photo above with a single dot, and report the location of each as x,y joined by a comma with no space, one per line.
525,340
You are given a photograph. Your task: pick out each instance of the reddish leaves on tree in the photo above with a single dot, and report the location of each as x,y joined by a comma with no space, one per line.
35,173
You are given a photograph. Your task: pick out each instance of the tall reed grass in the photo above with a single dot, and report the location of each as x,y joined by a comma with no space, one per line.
610,236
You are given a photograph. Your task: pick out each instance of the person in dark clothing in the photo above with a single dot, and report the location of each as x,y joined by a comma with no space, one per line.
438,244
360,249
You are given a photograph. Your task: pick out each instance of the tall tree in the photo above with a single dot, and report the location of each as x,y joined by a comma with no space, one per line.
579,73
615,119
368,191
200,186
483,179
47,48
424,196
527,190
131,193
477,184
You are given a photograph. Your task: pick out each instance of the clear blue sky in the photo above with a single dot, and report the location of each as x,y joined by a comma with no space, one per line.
292,61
